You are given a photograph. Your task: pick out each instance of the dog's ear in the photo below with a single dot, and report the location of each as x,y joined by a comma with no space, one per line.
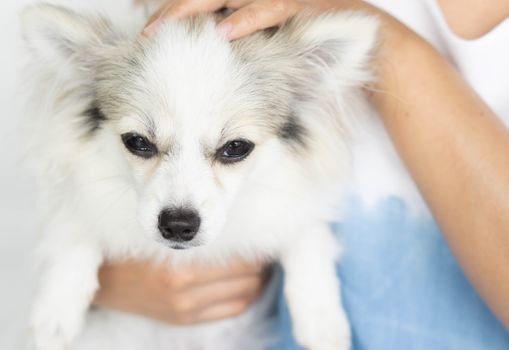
335,46
56,34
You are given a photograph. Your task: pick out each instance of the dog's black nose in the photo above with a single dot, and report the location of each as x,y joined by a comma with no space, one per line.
179,224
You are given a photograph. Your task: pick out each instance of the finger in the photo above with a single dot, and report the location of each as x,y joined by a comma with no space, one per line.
236,4
220,311
226,310
256,16
185,8
194,300
232,268
153,22
179,9
185,277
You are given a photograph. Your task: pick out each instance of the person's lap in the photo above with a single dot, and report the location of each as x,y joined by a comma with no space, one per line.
403,289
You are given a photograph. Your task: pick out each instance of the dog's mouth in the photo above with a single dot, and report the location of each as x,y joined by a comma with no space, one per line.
182,245
178,246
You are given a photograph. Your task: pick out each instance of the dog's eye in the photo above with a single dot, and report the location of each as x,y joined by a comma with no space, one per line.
139,145
234,151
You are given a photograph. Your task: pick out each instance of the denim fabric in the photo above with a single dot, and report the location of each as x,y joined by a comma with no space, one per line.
403,289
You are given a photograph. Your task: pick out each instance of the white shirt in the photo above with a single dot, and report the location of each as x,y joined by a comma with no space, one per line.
483,62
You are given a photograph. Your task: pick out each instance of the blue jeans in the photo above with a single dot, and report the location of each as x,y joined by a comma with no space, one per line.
402,288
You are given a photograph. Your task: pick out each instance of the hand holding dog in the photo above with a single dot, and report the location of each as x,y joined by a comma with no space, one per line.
193,294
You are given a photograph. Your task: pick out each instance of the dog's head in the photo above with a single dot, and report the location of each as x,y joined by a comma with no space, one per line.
196,115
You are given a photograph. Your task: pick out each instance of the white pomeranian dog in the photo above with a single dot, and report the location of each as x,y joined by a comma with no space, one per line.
185,147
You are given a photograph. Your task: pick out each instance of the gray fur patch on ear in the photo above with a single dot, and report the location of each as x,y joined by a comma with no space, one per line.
293,132
94,117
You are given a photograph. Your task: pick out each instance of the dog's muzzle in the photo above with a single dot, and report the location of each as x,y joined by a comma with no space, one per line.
178,224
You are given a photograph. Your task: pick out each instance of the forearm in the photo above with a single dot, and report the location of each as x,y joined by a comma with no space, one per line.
456,150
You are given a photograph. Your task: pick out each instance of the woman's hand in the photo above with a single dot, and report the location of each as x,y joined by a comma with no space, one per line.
187,295
250,15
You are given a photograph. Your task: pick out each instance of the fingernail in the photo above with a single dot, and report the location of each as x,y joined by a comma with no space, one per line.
151,29
225,29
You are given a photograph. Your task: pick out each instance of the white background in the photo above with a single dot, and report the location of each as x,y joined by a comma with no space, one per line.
17,196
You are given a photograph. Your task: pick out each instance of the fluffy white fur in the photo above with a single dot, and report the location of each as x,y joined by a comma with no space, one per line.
293,92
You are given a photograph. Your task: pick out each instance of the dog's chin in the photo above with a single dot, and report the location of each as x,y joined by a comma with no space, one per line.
179,245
